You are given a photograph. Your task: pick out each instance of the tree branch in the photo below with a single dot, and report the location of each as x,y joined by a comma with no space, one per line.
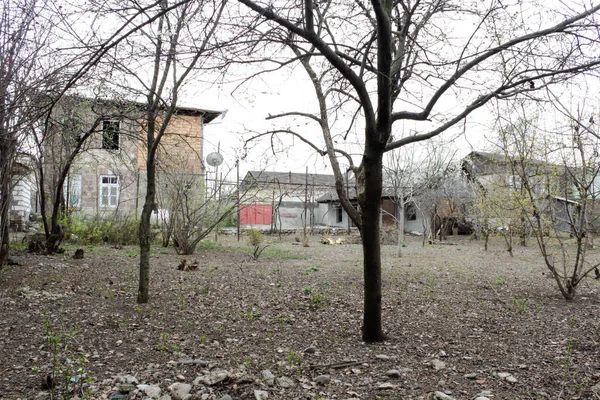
424,114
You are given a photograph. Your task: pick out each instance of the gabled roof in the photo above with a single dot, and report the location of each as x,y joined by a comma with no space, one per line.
293,178
332,196
206,114
480,162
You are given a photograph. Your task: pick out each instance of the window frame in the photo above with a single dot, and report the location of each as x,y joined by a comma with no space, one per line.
109,185
110,135
73,181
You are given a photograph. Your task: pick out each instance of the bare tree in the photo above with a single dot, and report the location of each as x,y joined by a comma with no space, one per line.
192,211
403,61
557,190
176,43
417,178
24,72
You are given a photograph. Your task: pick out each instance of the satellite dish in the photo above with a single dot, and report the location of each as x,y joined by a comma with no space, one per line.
214,159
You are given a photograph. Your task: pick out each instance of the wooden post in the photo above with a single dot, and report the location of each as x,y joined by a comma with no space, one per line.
237,182
305,200
348,194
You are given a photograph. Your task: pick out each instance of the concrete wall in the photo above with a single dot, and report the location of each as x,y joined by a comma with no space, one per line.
23,196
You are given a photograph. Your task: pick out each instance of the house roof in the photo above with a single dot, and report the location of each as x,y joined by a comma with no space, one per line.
480,162
293,178
332,197
206,114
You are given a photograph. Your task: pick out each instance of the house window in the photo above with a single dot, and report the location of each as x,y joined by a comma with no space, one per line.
339,216
109,191
410,213
72,191
110,134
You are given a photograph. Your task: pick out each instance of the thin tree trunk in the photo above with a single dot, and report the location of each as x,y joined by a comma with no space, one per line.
400,222
6,160
145,234
4,206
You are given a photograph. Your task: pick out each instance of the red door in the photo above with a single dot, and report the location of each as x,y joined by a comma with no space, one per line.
256,214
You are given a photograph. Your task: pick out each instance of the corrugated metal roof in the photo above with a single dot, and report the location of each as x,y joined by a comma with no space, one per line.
294,178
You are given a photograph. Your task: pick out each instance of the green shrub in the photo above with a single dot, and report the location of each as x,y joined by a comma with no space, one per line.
96,229
230,221
255,239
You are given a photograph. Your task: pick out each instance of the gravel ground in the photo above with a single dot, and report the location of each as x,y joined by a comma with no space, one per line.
462,323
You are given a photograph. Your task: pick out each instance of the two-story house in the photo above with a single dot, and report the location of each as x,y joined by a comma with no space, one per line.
550,185
109,173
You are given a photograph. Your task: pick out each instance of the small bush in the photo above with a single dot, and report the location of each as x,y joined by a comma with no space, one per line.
255,239
520,304
97,229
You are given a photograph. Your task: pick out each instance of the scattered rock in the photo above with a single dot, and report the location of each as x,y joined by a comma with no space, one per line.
595,389
119,396
180,390
322,379
226,397
386,385
268,377
214,377
180,378
126,379
382,357
393,373
437,364
310,350
126,387
442,396
197,361
285,382
472,375
485,394
150,391
508,377
261,394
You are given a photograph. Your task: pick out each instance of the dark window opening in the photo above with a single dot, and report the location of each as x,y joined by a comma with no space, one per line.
411,212
339,214
110,134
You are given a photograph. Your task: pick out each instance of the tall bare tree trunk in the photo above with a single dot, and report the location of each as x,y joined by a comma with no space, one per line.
371,182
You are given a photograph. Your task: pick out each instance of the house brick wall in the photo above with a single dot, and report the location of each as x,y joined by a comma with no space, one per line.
181,146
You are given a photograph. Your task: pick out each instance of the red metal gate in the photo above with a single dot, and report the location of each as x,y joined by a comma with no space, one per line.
256,214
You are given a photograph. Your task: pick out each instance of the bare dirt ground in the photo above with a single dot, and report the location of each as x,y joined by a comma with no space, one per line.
462,322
